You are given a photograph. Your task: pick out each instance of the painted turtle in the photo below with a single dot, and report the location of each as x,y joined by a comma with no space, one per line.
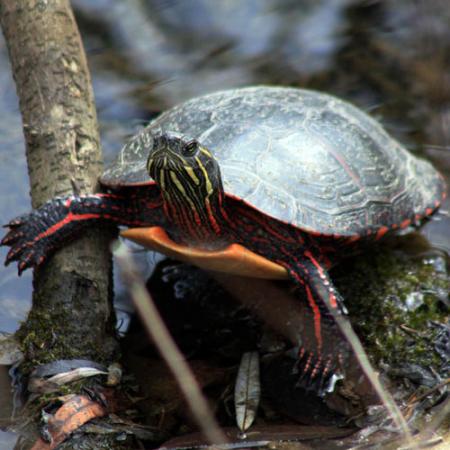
295,176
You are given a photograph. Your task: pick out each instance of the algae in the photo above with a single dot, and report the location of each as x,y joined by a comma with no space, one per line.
396,302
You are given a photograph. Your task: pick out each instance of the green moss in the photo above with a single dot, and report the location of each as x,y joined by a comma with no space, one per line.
392,297
48,336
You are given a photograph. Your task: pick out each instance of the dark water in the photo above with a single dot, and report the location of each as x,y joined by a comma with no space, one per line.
388,57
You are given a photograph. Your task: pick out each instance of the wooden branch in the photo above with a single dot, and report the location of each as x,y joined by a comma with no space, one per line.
71,314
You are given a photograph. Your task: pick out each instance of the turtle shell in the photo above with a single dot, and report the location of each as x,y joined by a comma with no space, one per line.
300,156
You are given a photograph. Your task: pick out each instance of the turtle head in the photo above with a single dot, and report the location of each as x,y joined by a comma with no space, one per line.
190,182
178,162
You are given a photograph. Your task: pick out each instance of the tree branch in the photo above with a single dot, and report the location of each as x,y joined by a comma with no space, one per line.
71,314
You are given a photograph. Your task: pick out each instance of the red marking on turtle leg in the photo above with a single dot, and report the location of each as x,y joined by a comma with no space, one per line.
326,367
317,369
314,307
331,296
69,218
307,365
317,317
324,371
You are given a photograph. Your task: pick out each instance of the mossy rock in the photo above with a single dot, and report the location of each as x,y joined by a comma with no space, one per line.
397,297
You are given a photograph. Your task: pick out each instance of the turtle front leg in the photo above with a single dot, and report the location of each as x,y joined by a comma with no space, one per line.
323,350
33,237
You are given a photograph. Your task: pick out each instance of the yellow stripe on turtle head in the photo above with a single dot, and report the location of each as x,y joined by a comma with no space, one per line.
162,181
191,173
180,187
205,151
209,188
177,182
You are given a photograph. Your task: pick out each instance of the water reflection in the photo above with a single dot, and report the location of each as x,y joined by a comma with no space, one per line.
14,199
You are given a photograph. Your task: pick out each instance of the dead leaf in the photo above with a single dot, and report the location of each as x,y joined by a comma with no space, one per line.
71,416
247,392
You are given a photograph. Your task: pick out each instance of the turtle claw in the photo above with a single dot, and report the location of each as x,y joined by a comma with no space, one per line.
12,237
32,258
14,224
315,373
14,254
26,255
24,247
27,261
18,221
21,267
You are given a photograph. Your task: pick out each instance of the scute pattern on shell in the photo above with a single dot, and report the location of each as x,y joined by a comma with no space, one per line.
301,156
130,165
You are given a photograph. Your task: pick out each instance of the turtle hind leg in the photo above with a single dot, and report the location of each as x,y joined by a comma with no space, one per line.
323,348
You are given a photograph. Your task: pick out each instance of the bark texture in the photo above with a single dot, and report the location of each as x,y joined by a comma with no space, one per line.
71,314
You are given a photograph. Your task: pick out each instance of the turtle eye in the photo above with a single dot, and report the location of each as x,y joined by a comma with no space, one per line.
190,148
